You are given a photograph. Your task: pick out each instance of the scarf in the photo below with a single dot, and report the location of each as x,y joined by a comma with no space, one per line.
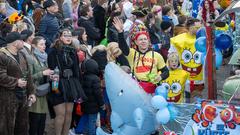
42,57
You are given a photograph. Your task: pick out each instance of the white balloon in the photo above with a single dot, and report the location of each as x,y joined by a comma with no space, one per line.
163,116
159,102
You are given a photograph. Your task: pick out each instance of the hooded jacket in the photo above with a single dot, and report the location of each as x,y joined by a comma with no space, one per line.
92,87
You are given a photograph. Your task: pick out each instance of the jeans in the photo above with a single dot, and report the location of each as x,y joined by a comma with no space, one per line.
87,124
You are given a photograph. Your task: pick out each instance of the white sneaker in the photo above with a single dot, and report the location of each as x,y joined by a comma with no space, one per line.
72,132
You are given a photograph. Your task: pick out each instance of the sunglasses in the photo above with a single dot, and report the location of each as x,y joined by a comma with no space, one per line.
67,36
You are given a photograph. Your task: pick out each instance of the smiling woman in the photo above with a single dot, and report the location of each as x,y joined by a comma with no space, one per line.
64,57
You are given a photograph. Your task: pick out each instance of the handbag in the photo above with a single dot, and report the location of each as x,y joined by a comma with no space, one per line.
43,89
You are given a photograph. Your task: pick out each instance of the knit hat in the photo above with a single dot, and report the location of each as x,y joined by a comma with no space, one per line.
28,33
48,3
165,25
14,36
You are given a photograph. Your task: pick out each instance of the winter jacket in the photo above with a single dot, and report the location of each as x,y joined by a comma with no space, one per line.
13,99
154,37
112,34
92,87
37,68
65,58
48,28
67,9
2,42
99,15
92,32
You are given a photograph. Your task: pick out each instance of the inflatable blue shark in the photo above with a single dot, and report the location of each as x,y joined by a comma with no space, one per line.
132,112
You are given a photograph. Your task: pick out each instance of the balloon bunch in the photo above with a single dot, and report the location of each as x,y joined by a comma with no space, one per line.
222,42
166,111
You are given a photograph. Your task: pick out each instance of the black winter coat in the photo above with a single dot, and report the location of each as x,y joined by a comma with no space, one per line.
92,32
99,15
92,87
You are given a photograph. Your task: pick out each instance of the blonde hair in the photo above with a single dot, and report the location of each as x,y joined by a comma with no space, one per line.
98,47
173,56
113,51
21,26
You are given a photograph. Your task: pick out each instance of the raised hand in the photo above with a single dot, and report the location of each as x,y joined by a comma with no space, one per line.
118,24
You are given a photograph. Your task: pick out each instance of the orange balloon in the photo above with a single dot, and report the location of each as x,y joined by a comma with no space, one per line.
224,3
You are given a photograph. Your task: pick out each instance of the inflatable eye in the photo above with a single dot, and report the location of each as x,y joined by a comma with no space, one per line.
197,57
186,56
226,113
166,85
176,87
120,93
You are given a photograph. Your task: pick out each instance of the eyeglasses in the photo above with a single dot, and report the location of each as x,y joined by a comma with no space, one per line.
67,36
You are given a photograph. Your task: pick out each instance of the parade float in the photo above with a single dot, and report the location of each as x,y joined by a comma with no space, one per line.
135,112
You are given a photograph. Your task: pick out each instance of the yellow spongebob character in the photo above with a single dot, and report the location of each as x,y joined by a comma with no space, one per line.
190,58
175,84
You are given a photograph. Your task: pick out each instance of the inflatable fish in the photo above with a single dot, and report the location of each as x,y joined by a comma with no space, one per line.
132,112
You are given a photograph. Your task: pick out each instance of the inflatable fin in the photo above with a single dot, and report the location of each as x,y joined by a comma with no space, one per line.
139,117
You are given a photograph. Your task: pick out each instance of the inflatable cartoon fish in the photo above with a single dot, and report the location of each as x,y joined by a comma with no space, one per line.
230,117
206,115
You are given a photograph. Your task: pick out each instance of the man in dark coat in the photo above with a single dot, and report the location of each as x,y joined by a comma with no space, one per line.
99,13
49,24
86,20
16,87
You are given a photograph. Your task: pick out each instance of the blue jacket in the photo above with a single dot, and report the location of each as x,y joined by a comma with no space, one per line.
48,28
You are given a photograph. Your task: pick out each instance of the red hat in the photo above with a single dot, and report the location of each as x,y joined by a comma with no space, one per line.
140,33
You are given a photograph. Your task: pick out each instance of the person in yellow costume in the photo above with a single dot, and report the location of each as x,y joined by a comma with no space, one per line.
177,83
190,58
148,67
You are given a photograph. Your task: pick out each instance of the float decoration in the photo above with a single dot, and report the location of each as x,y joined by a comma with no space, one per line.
212,118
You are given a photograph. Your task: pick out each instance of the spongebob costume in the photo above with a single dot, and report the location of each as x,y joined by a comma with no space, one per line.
175,84
190,59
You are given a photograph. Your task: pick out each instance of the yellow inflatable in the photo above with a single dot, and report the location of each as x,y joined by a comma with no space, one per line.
190,58
175,85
